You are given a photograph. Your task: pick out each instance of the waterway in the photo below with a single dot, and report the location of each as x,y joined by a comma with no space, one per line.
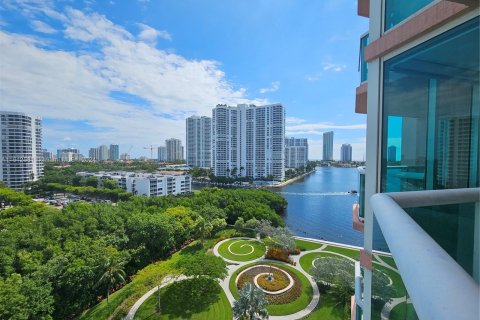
320,205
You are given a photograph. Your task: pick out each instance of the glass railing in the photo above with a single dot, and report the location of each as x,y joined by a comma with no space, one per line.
363,67
361,193
432,236
398,10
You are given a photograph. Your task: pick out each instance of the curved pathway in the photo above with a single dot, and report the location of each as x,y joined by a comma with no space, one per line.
166,281
235,265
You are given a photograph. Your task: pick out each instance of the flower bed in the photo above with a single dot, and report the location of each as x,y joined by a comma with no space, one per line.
278,282
286,297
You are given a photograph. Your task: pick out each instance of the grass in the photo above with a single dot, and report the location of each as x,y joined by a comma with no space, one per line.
177,302
242,247
282,309
307,245
396,278
388,260
352,253
326,309
122,300
403,311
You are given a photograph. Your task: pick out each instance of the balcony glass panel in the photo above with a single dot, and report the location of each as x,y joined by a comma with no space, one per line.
385,269
430,138
398,10
361,196
363,63
431,114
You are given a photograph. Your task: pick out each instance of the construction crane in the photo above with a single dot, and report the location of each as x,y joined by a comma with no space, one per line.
151,150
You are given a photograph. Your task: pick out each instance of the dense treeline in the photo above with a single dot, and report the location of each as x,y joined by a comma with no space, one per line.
51,260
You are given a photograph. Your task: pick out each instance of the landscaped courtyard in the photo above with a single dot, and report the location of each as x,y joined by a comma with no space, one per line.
290,289
188,299
241,249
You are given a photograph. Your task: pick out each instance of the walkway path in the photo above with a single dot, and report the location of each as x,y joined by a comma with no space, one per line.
235,265
165,281
238,264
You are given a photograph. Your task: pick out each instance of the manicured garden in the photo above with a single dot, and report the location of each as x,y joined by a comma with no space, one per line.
352,253
307,260
122,300
299,296
307,245
242,249
197,299
327,309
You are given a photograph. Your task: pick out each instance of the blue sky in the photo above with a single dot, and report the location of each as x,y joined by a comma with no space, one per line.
130,72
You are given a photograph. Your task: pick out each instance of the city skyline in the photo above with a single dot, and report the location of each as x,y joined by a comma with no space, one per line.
104,45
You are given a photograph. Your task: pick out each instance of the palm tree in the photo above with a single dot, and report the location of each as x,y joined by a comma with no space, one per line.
113,274
342,294
252,304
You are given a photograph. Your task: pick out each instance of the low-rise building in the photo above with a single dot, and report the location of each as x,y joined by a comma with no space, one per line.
148,184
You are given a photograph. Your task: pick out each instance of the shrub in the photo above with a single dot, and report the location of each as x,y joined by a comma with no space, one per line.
295,251
279,254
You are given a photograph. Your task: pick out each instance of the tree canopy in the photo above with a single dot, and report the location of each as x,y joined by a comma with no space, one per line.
52,259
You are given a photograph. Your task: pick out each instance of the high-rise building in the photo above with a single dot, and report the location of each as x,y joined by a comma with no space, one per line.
420,68
21,155
199,141
124,156
174,149
346,152
94,154
162,154
392,154
296,152
68,155
328,146
103,153
114,152
47,155
249,140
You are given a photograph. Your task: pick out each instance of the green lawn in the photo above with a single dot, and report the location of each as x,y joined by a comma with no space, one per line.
403,311
326,309
352,253
185,300
396,278
242,249
307,245
283,309
122,300
388,260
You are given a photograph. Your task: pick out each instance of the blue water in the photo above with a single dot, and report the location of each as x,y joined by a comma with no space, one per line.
319,205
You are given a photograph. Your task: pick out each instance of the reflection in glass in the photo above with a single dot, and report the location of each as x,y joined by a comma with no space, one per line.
430,139
398,10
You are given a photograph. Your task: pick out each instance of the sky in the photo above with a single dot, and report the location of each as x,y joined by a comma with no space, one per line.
130,72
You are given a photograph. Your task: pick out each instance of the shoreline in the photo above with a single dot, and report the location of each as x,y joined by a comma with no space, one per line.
289,181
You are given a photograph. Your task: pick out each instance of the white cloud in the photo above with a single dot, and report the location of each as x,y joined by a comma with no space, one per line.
150,35
314,77
273,87
335,67
319,128
294,120
77,86
40,26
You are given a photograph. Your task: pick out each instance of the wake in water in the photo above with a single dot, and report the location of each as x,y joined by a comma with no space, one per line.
317,193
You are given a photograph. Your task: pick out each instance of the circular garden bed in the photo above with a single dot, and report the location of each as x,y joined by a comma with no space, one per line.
291,292
241,249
